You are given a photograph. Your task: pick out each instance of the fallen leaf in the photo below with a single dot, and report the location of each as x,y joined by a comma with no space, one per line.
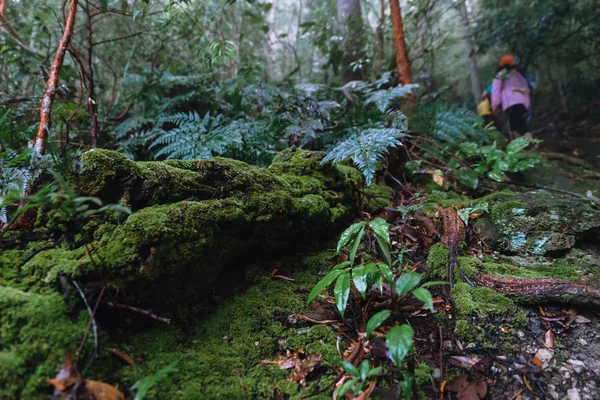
466,389
438,179
304,367
103,391
549,339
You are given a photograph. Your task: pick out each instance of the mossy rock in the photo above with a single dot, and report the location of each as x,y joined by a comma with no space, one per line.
537,223
35,334
193,220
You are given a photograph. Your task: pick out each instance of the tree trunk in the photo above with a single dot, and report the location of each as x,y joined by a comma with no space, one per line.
349,16
473,71
89,82
52,84
403,66
380,35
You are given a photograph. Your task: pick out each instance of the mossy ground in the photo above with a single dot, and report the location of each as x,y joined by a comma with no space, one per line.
221,358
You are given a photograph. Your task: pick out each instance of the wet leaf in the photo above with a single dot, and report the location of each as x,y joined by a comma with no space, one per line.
349,233
359,277
425,296
341,291
350,368
467,177
387,273
381,229
364,369
323,283
355,244
399,342
376,320
407,282
345,387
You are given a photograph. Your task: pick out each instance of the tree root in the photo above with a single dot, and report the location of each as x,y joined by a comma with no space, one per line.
542,290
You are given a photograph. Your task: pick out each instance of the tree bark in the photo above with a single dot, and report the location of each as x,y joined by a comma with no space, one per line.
52,84
402,63
349,16
380,35
473,71
89,82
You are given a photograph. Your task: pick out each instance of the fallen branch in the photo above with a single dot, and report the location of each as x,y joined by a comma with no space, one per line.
567,158
541,290
138,310
534,186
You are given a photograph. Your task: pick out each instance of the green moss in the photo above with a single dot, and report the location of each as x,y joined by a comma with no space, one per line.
423,373
10,261
507,206
35,333
378,196
479,300
41,272
438,260
229,344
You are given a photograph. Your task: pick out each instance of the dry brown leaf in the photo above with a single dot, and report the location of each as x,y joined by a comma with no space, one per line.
304,367
438,179
549,339
466,389
103,391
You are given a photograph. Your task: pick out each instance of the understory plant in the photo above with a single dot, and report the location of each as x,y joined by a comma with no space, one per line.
355,276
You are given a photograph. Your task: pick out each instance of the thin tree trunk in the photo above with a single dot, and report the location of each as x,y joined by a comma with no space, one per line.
349,16
473,71
402,64
89,78
380,35
52,84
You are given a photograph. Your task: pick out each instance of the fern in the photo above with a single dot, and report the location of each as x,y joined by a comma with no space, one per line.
366,149
455,125
382,99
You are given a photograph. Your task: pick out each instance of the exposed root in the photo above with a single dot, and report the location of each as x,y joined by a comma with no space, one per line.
541,290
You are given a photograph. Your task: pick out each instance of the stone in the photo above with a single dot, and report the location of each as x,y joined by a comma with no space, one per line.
578,366
580,319
543,357
573,394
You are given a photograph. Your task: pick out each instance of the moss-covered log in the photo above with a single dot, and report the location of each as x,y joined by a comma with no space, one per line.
193,220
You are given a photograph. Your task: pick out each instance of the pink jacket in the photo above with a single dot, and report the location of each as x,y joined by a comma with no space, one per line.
511,90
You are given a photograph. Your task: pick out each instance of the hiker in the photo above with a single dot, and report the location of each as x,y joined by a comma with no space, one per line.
511,93
484,107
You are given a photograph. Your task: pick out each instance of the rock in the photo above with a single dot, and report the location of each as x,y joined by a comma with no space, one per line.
573,394
436,374
535,223
580,319
578,366
520,334
582,341
543,357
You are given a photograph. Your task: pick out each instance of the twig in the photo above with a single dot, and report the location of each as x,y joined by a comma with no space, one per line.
92,322
532,185
138,310
38,250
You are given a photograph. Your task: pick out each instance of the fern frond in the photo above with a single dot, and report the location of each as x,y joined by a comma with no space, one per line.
383,98
366,149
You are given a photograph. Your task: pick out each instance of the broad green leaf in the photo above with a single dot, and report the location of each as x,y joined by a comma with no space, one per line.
323,283
359,387
381,228
425,296
495,176
364,369
517,145
385,249
467,177
342,291
374,371
469,148
349,233
407,282
350,368
355,245
387,273
359,277
345,387
376,320
399,342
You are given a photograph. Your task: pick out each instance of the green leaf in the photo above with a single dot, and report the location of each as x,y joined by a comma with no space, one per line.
342,291
350,368
467,177
495,176
517,145
323,283
376,320
399,342
431,283
407,282
355,245
364,369
469,148
345,387
374,371
381,228
385,249
142,386
348,233
387,273
425,296
359,277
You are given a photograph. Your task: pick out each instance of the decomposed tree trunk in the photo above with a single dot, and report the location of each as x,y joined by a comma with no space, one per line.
473,72
52,84
403,66
349,16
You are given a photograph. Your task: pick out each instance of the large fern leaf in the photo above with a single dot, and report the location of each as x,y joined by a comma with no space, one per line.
366,149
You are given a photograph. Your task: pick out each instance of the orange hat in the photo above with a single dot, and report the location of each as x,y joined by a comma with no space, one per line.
507,60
